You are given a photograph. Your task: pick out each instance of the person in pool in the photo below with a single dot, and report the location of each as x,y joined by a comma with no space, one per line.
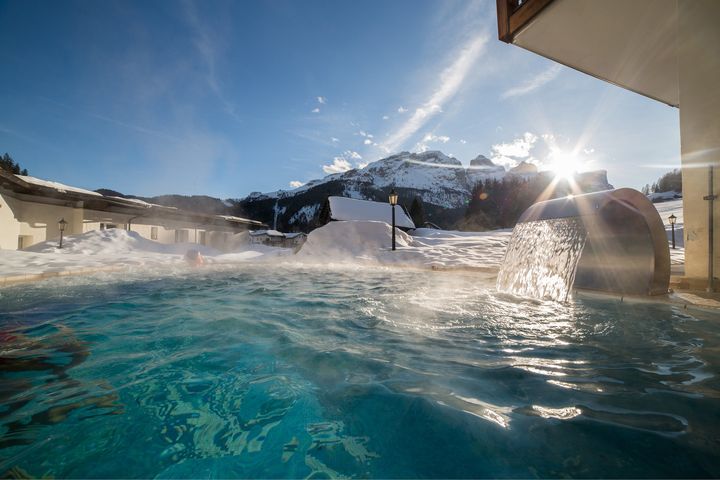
194,258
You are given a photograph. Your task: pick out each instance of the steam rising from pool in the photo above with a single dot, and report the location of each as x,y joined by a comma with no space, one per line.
542,258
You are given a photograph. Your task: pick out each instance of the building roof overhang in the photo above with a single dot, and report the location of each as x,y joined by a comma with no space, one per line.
141,212
632,44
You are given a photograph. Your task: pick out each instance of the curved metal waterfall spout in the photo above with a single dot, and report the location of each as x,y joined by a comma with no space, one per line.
626,249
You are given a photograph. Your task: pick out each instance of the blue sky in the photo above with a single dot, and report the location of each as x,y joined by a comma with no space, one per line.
226,98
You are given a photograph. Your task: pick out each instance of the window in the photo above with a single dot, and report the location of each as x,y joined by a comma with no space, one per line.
201,238
153,233
181,236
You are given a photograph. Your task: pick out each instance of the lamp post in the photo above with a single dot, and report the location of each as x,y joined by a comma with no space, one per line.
61,225
673,219
393,202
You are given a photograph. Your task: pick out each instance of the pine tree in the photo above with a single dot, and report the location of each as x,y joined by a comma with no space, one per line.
325,214
417,212
671,181
9,165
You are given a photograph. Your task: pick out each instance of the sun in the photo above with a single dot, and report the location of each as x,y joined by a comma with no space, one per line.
564,164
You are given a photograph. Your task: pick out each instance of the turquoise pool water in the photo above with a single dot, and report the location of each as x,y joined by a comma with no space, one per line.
299,372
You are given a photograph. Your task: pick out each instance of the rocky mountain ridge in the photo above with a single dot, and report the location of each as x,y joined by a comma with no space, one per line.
442,182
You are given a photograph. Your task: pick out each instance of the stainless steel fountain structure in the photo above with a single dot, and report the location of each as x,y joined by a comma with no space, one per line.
626,249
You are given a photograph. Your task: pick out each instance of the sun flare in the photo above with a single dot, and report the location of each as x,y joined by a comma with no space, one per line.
564,164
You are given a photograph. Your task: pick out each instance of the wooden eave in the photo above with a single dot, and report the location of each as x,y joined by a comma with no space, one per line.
513,15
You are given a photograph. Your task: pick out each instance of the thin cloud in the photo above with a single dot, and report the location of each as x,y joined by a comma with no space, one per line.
315,110
402,109
296,184
19,135
385,117
114,121
322,100
137,128
451,80
205,45
534,83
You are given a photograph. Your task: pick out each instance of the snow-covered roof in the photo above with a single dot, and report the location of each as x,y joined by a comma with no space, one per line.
232,218
133,200
275,233
269,233
294,234
60,187
342,208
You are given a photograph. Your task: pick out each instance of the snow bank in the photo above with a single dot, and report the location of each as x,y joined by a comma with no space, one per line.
370,242
117,249
341,242
115,241
665,209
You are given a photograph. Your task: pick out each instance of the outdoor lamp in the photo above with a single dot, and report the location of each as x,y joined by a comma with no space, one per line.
393,202
393,197
673,219
61,225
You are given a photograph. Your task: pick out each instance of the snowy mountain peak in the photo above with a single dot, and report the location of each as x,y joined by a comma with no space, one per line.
484,163
438,179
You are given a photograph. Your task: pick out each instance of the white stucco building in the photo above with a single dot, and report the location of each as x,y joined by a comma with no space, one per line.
30,209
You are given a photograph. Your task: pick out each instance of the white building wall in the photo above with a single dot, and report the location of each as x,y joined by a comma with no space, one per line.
37,222
9,226
699,79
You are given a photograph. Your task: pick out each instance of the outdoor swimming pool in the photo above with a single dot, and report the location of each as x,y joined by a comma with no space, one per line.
297,372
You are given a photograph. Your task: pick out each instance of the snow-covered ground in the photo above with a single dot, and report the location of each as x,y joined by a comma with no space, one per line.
356,243
336,243
369,242
119,249
665,209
